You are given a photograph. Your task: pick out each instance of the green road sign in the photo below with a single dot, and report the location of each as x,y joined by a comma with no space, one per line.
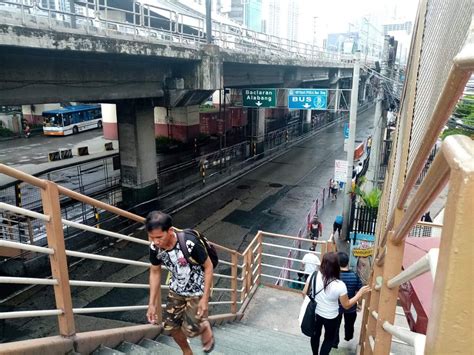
258,98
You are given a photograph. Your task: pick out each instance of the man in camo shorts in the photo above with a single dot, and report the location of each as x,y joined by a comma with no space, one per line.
187,303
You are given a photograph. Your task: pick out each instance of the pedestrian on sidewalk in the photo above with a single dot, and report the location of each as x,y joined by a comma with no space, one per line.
353,285
186,313
329,292
337,226
315,228
333,185
310,263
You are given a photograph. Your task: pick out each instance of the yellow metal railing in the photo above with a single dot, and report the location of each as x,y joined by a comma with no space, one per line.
260,263
449,327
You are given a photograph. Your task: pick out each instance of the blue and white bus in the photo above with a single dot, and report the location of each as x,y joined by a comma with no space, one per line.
71,120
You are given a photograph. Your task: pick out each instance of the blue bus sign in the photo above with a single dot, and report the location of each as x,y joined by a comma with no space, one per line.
308,99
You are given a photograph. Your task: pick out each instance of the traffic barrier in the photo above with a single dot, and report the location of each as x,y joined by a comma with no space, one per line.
54,156
109,146
66,153
82,151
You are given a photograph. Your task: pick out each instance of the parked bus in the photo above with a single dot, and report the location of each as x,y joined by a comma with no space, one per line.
71,120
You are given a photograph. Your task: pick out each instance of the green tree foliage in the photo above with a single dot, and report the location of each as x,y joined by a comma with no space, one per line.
465,112
369,199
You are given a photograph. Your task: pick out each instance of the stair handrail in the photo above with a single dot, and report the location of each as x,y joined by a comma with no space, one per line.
50,192
404,204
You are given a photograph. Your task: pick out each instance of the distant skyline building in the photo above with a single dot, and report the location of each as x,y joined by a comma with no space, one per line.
281,18
247,13
271,14
293,16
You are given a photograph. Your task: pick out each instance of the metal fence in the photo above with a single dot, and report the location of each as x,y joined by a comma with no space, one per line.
98,177
363,219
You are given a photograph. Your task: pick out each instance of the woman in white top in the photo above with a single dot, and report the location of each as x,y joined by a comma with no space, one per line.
331,292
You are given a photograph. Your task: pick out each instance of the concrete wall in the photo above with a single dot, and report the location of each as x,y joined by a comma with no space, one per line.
182,123
33,113
11,121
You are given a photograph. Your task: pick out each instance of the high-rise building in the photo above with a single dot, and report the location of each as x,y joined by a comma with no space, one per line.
281,18
248,13
272,17
293,15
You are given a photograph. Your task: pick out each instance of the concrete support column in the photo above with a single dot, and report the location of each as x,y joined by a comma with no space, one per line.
260,126
257,130
137,151
307,122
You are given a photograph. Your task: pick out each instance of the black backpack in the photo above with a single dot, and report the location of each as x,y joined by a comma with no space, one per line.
211,250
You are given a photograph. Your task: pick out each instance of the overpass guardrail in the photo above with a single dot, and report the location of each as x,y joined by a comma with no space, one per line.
155,23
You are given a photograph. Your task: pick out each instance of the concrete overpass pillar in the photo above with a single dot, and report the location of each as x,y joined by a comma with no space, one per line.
257,122
307,121
136,135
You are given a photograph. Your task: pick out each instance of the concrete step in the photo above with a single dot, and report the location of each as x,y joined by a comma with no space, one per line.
103,350
195,343
262,340
130,348
251,341
155,347
232,338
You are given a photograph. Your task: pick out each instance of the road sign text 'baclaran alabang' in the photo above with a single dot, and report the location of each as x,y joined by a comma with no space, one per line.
259,98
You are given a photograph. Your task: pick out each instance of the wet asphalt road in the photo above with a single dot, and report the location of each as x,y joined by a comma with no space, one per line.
34,150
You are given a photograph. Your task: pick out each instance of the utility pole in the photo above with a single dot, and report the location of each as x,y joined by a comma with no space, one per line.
350,145
379,124
208,22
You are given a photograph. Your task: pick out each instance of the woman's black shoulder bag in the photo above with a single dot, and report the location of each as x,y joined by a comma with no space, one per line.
308,324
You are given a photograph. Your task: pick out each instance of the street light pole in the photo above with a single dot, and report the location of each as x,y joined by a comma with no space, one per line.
350,145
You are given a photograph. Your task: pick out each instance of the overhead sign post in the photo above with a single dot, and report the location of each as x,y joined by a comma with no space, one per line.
258,98
308,99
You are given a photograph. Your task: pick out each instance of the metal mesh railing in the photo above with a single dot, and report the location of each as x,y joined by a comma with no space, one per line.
445,31
441,62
